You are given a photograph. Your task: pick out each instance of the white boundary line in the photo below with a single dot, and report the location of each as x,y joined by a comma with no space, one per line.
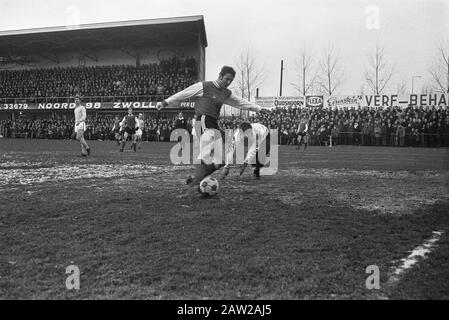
412,259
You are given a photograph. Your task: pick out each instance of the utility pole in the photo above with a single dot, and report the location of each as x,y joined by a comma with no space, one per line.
282,69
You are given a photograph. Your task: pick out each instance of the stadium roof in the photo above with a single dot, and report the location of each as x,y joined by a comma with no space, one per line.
179,30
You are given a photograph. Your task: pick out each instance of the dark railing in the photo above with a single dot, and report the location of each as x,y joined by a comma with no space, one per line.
114,98
343,138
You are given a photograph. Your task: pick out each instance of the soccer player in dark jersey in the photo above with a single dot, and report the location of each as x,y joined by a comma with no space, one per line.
209,98
181,123
130,124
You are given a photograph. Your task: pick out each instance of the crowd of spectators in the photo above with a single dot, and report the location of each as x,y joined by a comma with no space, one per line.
395,126
417,126
146,80
98,128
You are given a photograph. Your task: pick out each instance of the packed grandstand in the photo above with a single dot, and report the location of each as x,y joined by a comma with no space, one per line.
145,81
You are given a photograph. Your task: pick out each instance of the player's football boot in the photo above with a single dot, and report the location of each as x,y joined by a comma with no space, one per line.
257,173
88,151
192,190
243,167
224,173
189,180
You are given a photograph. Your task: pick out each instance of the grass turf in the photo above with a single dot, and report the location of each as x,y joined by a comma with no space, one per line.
308,232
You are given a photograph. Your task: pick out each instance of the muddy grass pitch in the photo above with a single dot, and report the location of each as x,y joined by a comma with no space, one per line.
308,232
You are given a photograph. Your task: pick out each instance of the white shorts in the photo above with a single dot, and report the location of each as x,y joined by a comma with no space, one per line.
80,126
139,133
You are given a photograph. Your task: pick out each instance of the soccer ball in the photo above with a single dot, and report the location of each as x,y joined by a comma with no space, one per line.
209,187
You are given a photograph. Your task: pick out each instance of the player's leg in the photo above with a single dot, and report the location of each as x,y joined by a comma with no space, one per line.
123,142
228,152
206,146
85,150
260,160
306,141
79,134
139,139
183,143
205,168
215,165
257,166
86,146
202,169
133,143
118,137
199,167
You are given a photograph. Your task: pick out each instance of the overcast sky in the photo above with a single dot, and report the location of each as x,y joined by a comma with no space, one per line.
275,30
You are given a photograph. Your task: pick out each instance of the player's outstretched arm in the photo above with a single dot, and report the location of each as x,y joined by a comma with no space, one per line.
243,104
195,90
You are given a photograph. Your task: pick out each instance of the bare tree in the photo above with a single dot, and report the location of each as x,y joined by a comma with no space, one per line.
427,88
380,71
240,81
249,75
440,69
362,90
306,76
331,73
401,88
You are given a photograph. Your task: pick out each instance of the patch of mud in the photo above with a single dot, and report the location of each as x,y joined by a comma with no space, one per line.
27,173
291,198
392,201
395,206
385,192
332,173
23,165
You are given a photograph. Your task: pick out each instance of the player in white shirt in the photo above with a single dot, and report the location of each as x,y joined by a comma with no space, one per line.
257,134
80,126
117,130
139,131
